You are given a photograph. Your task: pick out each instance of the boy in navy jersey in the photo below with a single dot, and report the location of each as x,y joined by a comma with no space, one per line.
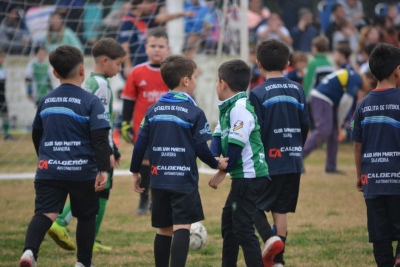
376,134
283,137
70,135
176,132
237,137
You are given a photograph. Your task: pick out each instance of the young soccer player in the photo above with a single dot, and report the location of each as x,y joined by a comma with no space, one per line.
176,132
237,137
3,100
375,132
283,137
108,56
70,135
38,76
142,89
330,103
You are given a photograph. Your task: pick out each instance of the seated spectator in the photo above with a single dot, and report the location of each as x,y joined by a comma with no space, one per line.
304,32
338,16
256,16
348,33
112,20
14,37
393,14
58,34
274,29
354,12
299,63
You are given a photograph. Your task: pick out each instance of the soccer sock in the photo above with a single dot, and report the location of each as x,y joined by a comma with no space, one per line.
279,256
383,253
65,217
145,174
6,126
100,214
262,225
162,250
35,233
180,247
85,232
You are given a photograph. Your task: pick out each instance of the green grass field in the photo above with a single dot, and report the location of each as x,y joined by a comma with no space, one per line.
328,229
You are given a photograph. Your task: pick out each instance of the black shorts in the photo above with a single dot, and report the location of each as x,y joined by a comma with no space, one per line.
171,207
52,194
383,215
281,194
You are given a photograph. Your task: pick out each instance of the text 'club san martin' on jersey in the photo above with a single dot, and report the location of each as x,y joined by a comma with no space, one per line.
280,106
238,125
333,86
174,126
144,86
68,154
376,124
99,85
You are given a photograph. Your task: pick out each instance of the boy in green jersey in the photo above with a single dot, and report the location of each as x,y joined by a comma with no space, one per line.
108,56
237,137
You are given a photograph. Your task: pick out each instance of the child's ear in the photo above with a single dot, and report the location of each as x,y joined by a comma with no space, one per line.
185,81
104,59
259,65
56,74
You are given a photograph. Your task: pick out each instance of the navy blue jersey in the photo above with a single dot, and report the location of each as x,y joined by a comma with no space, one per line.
174,125
279,104
66,116
334,85
376,125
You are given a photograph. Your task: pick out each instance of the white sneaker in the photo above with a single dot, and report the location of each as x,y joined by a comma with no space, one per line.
27,259
273,246
278,265
78,264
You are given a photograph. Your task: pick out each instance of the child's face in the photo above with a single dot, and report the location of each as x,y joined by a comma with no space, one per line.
112,66
157,49
338,58
218,88
300,65
41,55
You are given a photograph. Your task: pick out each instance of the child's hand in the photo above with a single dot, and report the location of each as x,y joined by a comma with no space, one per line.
359,184
136,183
117,162
216,179
223,163
101,181
112,161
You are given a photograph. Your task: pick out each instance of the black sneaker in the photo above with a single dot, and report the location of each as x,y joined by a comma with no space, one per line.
334,171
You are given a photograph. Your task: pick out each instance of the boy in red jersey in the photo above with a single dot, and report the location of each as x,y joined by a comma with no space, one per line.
143,88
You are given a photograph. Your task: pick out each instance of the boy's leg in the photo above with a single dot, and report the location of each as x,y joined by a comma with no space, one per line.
245,195
6,127
85,207
145,183
332,146
65,217
36,232
230,245
262,225
162,246
58,231
180,245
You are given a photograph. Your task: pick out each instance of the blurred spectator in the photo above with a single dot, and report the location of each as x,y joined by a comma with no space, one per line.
37,23
58,34
338,16
388,31
299,63
320,66
290,8
72,12
393,14
3,99
112,20
346,32
354,12
368,35
304,31
256,16
274,29
257,77
366,52
14,37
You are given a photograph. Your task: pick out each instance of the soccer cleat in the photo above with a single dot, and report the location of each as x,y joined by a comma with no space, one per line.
334,171
98,247
27,259
61,237
277,265
78,264
273,246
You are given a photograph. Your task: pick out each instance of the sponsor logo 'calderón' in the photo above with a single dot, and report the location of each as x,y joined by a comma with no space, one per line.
68,162
173,168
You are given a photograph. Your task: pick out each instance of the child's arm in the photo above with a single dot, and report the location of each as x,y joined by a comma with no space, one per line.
357,158
136,162
206,156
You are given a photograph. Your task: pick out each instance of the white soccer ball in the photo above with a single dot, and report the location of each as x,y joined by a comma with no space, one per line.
198,236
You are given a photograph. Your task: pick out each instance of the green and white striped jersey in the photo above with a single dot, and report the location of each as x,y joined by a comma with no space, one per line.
99,85
238,125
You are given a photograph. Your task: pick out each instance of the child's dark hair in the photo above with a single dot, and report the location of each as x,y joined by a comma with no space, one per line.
174,68
298,57
385,58
344,49
236,73
273,55
38,48
64,59
108,47
321,44
158,32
